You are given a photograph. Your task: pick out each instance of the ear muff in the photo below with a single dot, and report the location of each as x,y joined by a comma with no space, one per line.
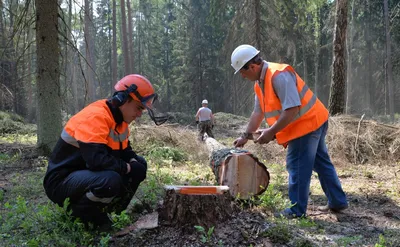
119,98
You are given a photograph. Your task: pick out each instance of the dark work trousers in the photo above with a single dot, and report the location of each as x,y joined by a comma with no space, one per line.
94,193
205,127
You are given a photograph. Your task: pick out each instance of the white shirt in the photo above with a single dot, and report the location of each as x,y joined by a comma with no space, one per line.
204,114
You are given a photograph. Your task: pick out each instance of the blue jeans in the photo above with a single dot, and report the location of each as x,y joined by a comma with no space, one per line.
305,154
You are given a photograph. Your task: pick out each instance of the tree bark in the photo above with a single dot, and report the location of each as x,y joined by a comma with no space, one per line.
368,105
189,209
114,45
349,91
337,99
130,35
89,48
125,47
48,76
389,60
238,169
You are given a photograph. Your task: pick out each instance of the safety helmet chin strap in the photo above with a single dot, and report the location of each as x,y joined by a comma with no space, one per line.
158,119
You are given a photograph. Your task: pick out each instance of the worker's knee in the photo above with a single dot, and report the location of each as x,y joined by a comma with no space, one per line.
108,185
138,171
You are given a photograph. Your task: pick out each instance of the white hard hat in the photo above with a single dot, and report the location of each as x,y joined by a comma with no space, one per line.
204,102
241,55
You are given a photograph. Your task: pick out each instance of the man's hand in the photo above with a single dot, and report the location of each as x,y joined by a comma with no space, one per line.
240,142
266,136
197,121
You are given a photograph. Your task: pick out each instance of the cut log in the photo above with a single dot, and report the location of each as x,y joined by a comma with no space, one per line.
196,205
238,169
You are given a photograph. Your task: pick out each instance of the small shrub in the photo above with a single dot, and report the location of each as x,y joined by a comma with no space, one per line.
348,241
272,199
306,222
205,236
303,243
166,153
121,220
278,234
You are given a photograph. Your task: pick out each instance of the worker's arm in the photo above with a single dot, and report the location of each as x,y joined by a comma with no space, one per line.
285,118
197,115
284,85
254,122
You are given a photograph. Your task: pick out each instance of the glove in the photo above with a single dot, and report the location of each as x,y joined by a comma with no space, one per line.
212,126
138,159
197,122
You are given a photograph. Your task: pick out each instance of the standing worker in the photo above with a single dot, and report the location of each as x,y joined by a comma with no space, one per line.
298,121
93,164
205,120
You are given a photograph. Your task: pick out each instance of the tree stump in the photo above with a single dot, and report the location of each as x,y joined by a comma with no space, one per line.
189,209
239,169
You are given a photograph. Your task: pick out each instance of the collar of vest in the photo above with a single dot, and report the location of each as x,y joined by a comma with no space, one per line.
262,77
116,112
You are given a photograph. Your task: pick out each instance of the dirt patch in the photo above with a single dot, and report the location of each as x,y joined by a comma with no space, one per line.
244,229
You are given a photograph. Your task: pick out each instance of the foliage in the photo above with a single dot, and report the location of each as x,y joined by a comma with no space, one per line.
121,220
14,124
41,225
278,234
166,153
348,241
272,199
205,236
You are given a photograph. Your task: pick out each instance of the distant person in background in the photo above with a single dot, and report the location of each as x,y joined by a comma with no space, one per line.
205,120
297,120
93,164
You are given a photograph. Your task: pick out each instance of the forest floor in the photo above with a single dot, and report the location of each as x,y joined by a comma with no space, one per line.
366,155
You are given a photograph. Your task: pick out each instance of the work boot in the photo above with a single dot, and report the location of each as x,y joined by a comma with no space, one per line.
287,213
103,223
326,208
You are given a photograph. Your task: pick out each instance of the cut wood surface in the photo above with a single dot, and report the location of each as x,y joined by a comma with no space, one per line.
238,169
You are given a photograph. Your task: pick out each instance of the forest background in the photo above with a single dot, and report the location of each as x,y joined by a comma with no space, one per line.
184,48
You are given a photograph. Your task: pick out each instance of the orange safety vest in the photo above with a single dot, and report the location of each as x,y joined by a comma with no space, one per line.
312,112
95,124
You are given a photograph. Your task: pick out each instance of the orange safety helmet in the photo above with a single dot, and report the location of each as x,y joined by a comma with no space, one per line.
138,87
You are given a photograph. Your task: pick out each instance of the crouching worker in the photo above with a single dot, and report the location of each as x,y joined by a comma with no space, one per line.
93,163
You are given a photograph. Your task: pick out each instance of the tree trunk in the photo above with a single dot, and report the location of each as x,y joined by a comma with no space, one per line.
389,60
368,105
337,97
114,45
317,58
257,22
48,76
349,91
89,48
188,210
130,35
30,101
238,169
305,71
125,47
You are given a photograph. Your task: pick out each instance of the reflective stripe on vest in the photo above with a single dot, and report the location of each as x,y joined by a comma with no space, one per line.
112,134
302,110
312,113
69,139
118,137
